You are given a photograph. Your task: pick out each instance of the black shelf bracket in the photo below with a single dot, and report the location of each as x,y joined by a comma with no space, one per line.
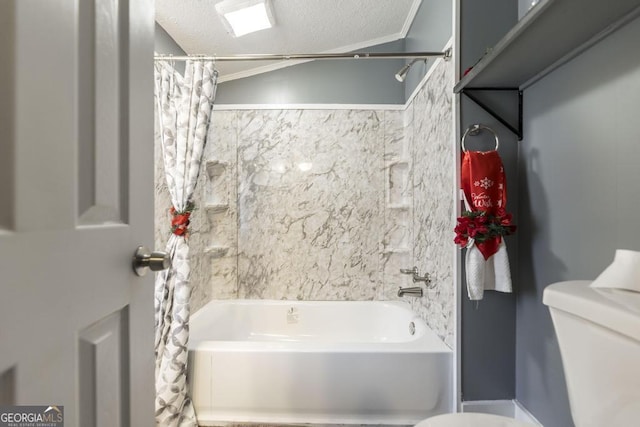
517,129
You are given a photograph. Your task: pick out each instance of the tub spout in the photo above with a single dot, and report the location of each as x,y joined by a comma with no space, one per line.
415,291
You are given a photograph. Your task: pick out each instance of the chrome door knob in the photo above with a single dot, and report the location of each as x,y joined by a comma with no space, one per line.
145,260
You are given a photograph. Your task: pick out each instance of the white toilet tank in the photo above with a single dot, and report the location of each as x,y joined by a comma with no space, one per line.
598,332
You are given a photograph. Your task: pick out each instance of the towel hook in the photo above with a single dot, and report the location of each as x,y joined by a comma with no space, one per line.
474,130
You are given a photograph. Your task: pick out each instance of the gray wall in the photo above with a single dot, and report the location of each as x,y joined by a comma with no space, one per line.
488,330
165,44
317,82
366,81
430,31
579,195
576,190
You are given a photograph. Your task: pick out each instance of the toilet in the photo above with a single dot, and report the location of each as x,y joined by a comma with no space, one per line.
471,419
598,334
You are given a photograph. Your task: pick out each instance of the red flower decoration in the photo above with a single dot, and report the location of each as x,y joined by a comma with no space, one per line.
461,240
180,220
483,227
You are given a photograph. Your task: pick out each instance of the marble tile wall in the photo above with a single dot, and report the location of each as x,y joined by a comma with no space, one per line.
326,204
309,204
433,198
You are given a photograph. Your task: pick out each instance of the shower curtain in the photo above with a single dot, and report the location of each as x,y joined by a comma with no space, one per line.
183,109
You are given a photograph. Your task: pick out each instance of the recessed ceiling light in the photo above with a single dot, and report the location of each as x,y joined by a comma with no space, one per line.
242,17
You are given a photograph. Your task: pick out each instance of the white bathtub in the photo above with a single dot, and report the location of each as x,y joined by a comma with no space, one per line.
332,362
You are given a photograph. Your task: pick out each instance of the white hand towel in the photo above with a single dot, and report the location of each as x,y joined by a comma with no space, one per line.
493,274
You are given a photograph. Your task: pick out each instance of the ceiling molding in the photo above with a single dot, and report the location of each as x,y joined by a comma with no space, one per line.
411,16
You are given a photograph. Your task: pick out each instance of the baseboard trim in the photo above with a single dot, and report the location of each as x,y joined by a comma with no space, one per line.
505,408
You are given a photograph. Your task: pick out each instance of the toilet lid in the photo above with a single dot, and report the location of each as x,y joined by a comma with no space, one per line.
471,419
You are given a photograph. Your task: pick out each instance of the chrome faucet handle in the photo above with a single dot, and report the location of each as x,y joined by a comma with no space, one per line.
417,277
413,271
426,279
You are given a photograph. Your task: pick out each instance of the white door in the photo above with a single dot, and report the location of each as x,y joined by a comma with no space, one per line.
76,130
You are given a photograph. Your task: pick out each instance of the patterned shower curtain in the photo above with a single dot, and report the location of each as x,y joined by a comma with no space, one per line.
183,110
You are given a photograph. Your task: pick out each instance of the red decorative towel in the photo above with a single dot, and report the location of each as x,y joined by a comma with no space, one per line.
485,187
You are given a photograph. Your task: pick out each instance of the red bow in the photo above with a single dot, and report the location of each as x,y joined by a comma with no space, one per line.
179,222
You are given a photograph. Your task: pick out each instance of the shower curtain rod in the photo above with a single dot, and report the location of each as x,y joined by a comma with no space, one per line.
285,57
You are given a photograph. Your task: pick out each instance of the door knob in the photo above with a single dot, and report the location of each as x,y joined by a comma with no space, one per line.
145,260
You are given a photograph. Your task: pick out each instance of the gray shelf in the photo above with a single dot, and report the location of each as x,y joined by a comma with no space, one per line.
552,33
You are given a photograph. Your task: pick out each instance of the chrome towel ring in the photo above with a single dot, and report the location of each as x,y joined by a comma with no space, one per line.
475,129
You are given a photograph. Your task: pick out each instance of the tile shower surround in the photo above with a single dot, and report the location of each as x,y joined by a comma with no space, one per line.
326,204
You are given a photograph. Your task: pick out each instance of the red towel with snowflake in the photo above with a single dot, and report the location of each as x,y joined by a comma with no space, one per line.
485,187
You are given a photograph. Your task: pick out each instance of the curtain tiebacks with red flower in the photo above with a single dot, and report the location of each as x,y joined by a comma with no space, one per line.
180,220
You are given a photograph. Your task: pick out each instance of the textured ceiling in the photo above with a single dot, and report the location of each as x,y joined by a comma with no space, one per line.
302,26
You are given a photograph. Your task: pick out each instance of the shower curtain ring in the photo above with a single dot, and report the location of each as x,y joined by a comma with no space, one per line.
474,130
